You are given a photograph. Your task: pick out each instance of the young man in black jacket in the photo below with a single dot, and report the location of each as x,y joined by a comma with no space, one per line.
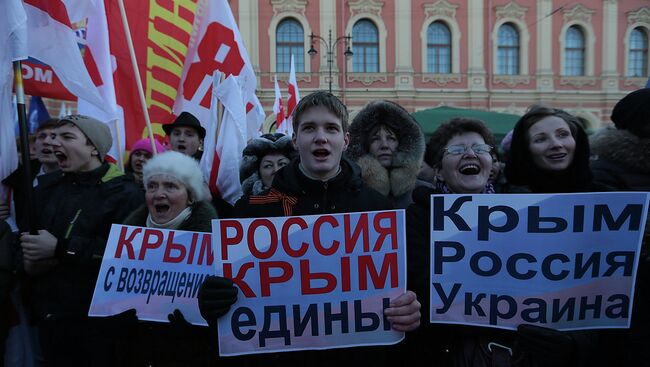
77,207
320,181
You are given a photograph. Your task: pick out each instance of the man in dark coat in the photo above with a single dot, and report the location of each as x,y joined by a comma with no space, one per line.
78,207
321,182
621,160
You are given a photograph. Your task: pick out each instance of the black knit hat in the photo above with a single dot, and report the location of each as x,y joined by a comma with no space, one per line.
185,119
632,113
259,147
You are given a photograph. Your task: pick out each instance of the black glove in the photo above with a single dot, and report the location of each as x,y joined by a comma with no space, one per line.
216,295
543,346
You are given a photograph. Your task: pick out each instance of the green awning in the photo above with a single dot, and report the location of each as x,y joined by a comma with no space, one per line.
498,123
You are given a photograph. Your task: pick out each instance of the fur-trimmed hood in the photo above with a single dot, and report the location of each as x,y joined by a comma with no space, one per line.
623,148
199,221
253,185
401,178
257,148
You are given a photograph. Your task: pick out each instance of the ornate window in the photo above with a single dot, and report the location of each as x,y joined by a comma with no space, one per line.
638,57
574,52
290,40
508,50
438,48
365,41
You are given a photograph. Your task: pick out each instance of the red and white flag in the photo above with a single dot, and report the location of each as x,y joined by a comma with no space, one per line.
98,53
293,96
53,41
278,109
13,37
220,162
217,46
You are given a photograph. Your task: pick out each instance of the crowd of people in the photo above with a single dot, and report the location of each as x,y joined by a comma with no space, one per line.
379,161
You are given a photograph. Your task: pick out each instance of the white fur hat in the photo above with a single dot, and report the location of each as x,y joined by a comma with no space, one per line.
181,167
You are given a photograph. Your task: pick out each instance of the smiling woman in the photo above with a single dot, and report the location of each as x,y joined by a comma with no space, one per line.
549,153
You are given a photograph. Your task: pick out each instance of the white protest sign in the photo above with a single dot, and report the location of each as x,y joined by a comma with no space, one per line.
154,271
311,282
565,261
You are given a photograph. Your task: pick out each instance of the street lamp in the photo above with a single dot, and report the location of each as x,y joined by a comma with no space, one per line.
331,47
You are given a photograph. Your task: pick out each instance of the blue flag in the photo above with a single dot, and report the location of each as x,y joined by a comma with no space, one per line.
36,115
647,84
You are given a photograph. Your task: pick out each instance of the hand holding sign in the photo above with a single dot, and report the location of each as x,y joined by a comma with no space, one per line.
216,296
404,312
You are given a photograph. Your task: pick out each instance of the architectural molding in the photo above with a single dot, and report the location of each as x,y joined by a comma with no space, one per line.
440,9
512,10
578,13
442,79
511,80
635,82
626,46
284,77
367,79
289,6
640,16
577,81
365,7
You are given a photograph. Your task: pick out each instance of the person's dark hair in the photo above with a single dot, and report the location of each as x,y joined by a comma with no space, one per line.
325,99
48,124
445,132
520,169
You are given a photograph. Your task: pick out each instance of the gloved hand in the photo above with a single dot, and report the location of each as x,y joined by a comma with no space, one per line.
545,347
216,295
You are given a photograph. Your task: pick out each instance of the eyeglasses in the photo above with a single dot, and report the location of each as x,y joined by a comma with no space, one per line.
461,149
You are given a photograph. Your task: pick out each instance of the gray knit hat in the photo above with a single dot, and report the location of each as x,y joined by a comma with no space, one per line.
96,131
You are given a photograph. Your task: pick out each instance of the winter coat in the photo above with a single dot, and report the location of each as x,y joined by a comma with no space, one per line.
295,194
621,160
344,193
78,209
398,182
178,343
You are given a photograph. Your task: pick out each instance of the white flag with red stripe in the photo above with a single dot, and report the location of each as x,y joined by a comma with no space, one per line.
293,96
278,109
53,41
223,176
98,53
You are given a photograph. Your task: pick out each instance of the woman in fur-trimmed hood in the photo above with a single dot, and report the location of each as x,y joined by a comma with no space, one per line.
388,145
262,158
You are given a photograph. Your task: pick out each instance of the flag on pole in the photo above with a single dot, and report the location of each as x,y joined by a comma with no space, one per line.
37,114
97,52
278,109
13,37
63,110
293,96
217,45
53,41
209,160
223,175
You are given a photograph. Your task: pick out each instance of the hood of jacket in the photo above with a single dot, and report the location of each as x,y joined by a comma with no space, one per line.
401,177
622,148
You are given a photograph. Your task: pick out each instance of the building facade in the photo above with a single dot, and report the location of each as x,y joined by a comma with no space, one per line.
498,55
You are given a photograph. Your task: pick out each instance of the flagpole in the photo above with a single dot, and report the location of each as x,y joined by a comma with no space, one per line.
219,111
24,148
120,152
136,71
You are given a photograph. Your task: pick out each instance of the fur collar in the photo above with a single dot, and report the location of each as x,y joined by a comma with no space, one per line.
622,147
401,177
253,185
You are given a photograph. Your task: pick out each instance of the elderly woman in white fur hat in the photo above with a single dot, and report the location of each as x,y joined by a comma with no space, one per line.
262,158
177,198
388,145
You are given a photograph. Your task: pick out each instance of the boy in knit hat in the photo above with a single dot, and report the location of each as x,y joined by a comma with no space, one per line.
77,206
